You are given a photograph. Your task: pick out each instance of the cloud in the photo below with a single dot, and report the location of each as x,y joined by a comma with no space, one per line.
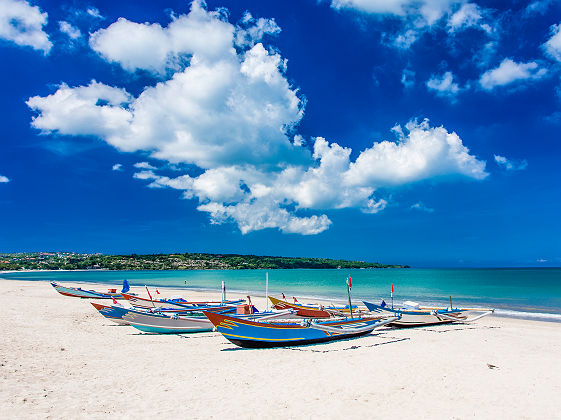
199,35
404,40
23,24
421,207
444,85
4,179
93,110
429,10
70,30
509,72
469,15
143,165
237,109
408,78
329,181
251,30
231,112
553,45
117,167
538,7
94,13
510,165
423,153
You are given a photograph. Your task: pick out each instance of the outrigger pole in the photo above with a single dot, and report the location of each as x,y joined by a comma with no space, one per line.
349,285
267,291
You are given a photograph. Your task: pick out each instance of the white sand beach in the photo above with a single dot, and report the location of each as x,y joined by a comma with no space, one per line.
61,359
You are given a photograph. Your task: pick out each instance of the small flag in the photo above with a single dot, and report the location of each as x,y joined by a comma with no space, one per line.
148,292
157,292
350,282
383,303
283,296
392,289
295,300
114,301
126,286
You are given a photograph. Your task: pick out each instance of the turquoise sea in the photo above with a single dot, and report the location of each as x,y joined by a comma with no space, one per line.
520,292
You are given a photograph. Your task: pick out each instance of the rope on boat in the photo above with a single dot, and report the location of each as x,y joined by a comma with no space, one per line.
464,321
340,330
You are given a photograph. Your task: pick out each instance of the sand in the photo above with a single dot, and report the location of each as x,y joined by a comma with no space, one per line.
61,359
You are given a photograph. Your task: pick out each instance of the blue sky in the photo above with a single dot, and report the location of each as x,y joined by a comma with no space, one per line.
416,132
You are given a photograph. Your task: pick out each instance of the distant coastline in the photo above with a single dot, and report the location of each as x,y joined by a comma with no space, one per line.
69,261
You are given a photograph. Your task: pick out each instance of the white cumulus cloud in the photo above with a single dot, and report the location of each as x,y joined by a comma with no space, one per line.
509,72
231,112
4,179
553,45
200,34
443,85
23,24
117,167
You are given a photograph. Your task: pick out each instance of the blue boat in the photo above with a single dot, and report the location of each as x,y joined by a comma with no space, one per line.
114,313
416,316
85,294
259,334
159,321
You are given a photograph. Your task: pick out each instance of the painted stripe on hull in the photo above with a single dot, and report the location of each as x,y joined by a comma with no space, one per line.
254,334
270,344
160,330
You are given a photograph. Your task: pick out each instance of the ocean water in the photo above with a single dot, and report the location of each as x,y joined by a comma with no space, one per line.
519,292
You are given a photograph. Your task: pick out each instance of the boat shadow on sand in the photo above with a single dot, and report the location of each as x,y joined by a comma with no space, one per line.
456,328
314,346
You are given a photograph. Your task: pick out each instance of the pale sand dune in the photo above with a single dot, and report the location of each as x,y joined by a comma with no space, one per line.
61,359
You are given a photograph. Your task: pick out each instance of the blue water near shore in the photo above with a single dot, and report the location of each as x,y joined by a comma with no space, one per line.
520,292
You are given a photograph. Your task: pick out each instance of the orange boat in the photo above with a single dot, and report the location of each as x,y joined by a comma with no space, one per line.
308,311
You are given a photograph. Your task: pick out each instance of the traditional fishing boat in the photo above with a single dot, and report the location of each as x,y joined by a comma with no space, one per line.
265,334
310,311
113,313
86,294
117,312
178,303
173,323
167,324
413,315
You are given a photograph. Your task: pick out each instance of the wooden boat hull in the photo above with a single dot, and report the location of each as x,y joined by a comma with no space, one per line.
84,294
144,303
251,334
301,310
164,324
112,313
411,318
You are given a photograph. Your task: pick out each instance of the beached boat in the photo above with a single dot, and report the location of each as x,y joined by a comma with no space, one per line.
86,294
113,313
310,311
264,334
413,315
178,303
119,313
174,323
167,324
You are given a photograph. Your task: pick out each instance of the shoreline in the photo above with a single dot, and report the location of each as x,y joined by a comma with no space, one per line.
549,317
54,345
